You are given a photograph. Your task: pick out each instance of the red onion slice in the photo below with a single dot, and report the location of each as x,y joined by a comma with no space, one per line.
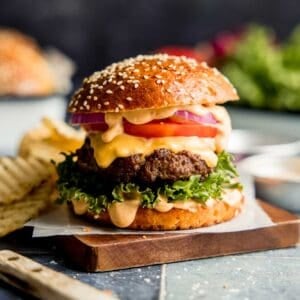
180,116
186,115
87,118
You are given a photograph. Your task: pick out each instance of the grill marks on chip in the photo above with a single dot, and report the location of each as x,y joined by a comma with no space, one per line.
19,176
14,215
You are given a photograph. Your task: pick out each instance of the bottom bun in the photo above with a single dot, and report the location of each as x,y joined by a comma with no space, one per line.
177,219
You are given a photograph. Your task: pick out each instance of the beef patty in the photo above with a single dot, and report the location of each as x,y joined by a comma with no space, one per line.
161,165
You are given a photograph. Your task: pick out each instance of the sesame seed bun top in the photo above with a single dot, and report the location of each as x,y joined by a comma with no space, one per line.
152,82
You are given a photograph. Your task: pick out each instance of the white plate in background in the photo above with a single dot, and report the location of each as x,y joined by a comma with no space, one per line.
249,142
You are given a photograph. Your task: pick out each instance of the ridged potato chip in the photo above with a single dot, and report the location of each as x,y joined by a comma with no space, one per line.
49,139
14,215
18,176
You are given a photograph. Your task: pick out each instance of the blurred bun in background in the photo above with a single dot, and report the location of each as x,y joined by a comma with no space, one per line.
24,70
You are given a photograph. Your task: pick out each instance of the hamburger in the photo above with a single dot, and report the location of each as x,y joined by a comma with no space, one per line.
154,157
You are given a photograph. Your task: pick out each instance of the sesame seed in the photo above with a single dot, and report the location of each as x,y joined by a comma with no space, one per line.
121,106
226,79
109,92
120,82
106,103
99,105
129,99
158,76
88,97
136,85
145,76
193,95
79,96
91,91
122,87
204,65
215,71
95,98
117,109
85,103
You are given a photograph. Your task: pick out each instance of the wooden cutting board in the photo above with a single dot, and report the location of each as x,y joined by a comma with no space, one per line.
113,252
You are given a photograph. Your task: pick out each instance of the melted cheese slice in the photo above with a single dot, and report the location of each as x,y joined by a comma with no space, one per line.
125,145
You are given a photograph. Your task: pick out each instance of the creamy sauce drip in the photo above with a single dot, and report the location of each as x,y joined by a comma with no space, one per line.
164,206
80,207
115,120
122,214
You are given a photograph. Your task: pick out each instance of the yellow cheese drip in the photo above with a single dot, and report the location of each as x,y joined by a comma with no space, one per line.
124,145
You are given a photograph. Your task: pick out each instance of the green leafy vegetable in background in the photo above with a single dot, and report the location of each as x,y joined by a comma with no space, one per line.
73,185
266,75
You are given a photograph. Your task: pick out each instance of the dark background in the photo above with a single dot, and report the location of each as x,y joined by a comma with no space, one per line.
95,33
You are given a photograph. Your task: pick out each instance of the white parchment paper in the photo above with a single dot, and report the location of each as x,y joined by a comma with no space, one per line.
62,222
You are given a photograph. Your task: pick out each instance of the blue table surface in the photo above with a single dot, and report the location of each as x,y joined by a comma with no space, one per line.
270,274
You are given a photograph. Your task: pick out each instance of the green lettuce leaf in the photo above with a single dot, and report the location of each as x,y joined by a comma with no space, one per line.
74,186
211,187
266,75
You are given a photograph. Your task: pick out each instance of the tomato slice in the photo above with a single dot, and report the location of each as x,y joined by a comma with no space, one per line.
160,128
163,129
